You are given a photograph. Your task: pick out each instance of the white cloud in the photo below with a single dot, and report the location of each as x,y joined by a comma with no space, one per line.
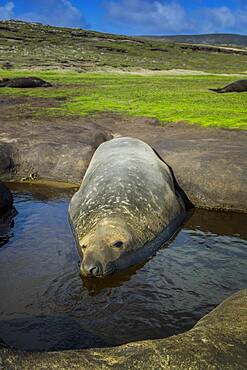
7,10
216,19
164,17
55,12
223,19
149,16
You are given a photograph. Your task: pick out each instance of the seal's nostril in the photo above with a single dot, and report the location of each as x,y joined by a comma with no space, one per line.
93,271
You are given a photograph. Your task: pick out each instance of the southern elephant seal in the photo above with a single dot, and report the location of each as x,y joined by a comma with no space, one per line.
237,86
24,82
6,199
7,212
126,208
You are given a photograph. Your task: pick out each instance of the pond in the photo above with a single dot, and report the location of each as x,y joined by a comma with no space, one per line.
45,305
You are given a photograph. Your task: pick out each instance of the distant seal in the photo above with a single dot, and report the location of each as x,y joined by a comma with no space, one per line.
237,86
128,205
24,82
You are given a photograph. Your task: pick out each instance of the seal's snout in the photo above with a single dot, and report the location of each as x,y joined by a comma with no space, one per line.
92,269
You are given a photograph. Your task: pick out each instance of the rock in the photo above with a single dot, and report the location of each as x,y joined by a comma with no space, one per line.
52,151
218,341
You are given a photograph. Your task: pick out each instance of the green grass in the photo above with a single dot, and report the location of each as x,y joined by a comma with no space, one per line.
168,98
39,47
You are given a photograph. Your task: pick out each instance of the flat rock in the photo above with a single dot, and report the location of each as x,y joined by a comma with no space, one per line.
218,341
52,151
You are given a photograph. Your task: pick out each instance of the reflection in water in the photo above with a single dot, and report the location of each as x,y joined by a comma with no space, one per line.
220,223
46,306
61,331
95,285
55,190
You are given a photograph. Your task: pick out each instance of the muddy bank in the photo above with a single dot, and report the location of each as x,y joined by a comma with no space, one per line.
209,163
218,341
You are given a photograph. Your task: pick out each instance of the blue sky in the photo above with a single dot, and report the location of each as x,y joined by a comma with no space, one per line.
133,17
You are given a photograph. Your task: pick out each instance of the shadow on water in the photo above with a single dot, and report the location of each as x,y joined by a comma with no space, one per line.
46,191
32,333
45,305
220,223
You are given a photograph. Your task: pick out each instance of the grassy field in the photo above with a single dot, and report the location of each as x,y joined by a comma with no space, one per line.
38,47
167,98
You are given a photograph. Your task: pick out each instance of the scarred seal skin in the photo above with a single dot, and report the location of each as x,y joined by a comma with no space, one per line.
237,86
126,208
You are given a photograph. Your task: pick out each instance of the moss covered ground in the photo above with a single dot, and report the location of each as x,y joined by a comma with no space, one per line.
168,98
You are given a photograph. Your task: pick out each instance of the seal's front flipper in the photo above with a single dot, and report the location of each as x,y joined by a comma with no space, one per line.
216,90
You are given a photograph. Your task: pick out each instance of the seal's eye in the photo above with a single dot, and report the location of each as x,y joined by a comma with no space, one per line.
117,244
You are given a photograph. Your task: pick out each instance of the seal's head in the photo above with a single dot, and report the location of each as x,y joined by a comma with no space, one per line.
102,248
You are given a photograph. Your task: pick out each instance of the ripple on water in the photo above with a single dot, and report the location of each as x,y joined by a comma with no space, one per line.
46,306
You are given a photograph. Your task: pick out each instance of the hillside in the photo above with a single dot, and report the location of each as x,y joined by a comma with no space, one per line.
34,46
223,39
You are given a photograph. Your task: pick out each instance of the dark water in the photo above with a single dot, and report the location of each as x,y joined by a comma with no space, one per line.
44,304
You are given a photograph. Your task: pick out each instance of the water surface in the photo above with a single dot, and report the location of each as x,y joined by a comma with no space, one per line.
45,305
